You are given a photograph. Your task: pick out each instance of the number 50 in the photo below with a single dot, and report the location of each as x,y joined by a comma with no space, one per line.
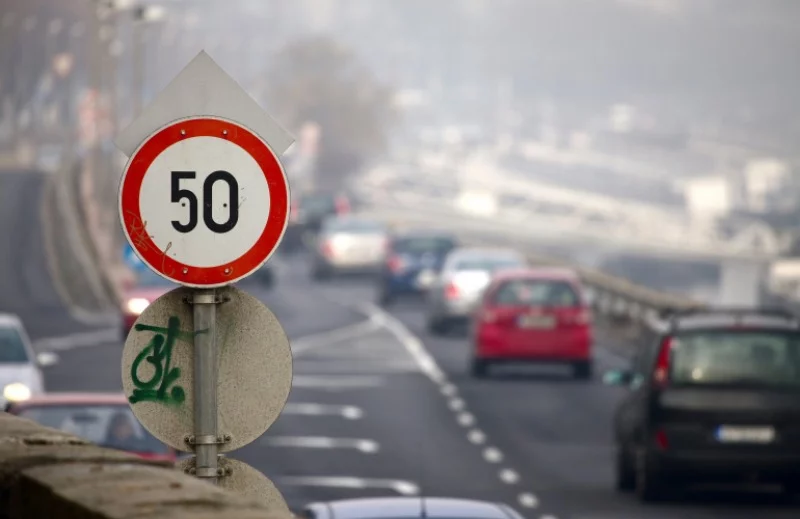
178,194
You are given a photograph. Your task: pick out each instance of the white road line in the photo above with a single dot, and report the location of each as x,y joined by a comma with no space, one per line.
402,487
476,436
492,455
323,442
309,342
411,343
509,476
449,390
456,404
337,383
466,419
349,412
527,500
78,340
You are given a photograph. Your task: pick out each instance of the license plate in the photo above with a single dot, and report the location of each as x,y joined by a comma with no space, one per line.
425,279
739,434
536,321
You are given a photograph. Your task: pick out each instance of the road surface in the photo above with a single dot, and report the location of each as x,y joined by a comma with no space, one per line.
378,407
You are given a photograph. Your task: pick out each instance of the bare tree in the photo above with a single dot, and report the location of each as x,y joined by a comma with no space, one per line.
318,80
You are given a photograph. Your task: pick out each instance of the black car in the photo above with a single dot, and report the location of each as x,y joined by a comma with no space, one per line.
714,398
308,211
413,261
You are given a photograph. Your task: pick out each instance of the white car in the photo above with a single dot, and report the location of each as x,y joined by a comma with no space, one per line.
409,508
20,367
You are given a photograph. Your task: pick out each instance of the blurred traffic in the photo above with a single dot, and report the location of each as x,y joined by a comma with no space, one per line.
534,267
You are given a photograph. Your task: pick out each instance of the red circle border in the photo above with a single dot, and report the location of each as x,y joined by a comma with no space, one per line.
135,228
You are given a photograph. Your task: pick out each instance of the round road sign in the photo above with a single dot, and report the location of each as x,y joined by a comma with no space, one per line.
255,368
204,201
246,481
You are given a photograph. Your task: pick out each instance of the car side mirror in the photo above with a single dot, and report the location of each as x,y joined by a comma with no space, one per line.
617,377
46,359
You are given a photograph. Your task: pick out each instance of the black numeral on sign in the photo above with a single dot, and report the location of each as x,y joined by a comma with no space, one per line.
178,194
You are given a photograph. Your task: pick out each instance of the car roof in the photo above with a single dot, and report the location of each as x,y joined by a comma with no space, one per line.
482,252
73,398
549,273
739,319
423,233
407,507
7,319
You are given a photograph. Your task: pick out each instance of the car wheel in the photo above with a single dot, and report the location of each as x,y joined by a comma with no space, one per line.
479,368
649,483
625,473
320,274
583,370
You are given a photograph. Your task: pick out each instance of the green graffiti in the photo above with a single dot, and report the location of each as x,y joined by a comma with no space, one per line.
158,353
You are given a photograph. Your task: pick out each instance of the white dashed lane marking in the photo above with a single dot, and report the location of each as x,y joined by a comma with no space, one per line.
428,366
349,412
323,442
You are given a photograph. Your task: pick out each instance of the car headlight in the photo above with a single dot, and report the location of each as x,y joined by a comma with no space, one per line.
16,392
137,305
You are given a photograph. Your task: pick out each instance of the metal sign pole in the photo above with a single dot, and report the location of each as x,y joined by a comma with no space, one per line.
205,384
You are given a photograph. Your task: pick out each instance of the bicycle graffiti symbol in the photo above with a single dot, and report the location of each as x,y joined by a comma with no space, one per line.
160,387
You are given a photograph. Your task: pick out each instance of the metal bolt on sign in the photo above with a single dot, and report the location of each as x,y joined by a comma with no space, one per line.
207,368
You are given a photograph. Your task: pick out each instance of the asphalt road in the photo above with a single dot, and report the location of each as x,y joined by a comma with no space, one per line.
378,407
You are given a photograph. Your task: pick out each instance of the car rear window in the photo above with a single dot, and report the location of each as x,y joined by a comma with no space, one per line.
100,424
353,226
487,264
318,203
536,292
12,349
422,245
758,357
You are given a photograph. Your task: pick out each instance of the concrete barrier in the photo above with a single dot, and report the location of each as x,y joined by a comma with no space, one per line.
46,473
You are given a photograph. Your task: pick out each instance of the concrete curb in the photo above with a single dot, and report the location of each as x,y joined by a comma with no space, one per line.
46,473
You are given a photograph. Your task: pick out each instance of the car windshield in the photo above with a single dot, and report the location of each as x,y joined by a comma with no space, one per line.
113,426
423,245
487,263
536,292
352,225
147,279
12,348
768,357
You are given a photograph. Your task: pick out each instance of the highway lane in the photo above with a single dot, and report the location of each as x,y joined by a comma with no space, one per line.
25,283
369,414
364,417
557,431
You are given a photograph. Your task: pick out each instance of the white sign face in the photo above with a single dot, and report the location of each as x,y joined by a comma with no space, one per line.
234,210
204,202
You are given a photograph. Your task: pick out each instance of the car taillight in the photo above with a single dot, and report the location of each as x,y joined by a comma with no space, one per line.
396,263
327,248
342,205
293,213
661,440
661,371
451,291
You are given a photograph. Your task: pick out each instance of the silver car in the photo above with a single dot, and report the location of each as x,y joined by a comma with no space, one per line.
409,508
349,244
20,368
465,275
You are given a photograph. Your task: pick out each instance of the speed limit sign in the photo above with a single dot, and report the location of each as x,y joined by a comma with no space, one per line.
204,201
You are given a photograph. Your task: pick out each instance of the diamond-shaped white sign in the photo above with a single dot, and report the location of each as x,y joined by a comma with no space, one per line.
203,88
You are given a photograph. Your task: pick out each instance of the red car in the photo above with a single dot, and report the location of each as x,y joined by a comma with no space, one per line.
148,287
533,315
105,419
